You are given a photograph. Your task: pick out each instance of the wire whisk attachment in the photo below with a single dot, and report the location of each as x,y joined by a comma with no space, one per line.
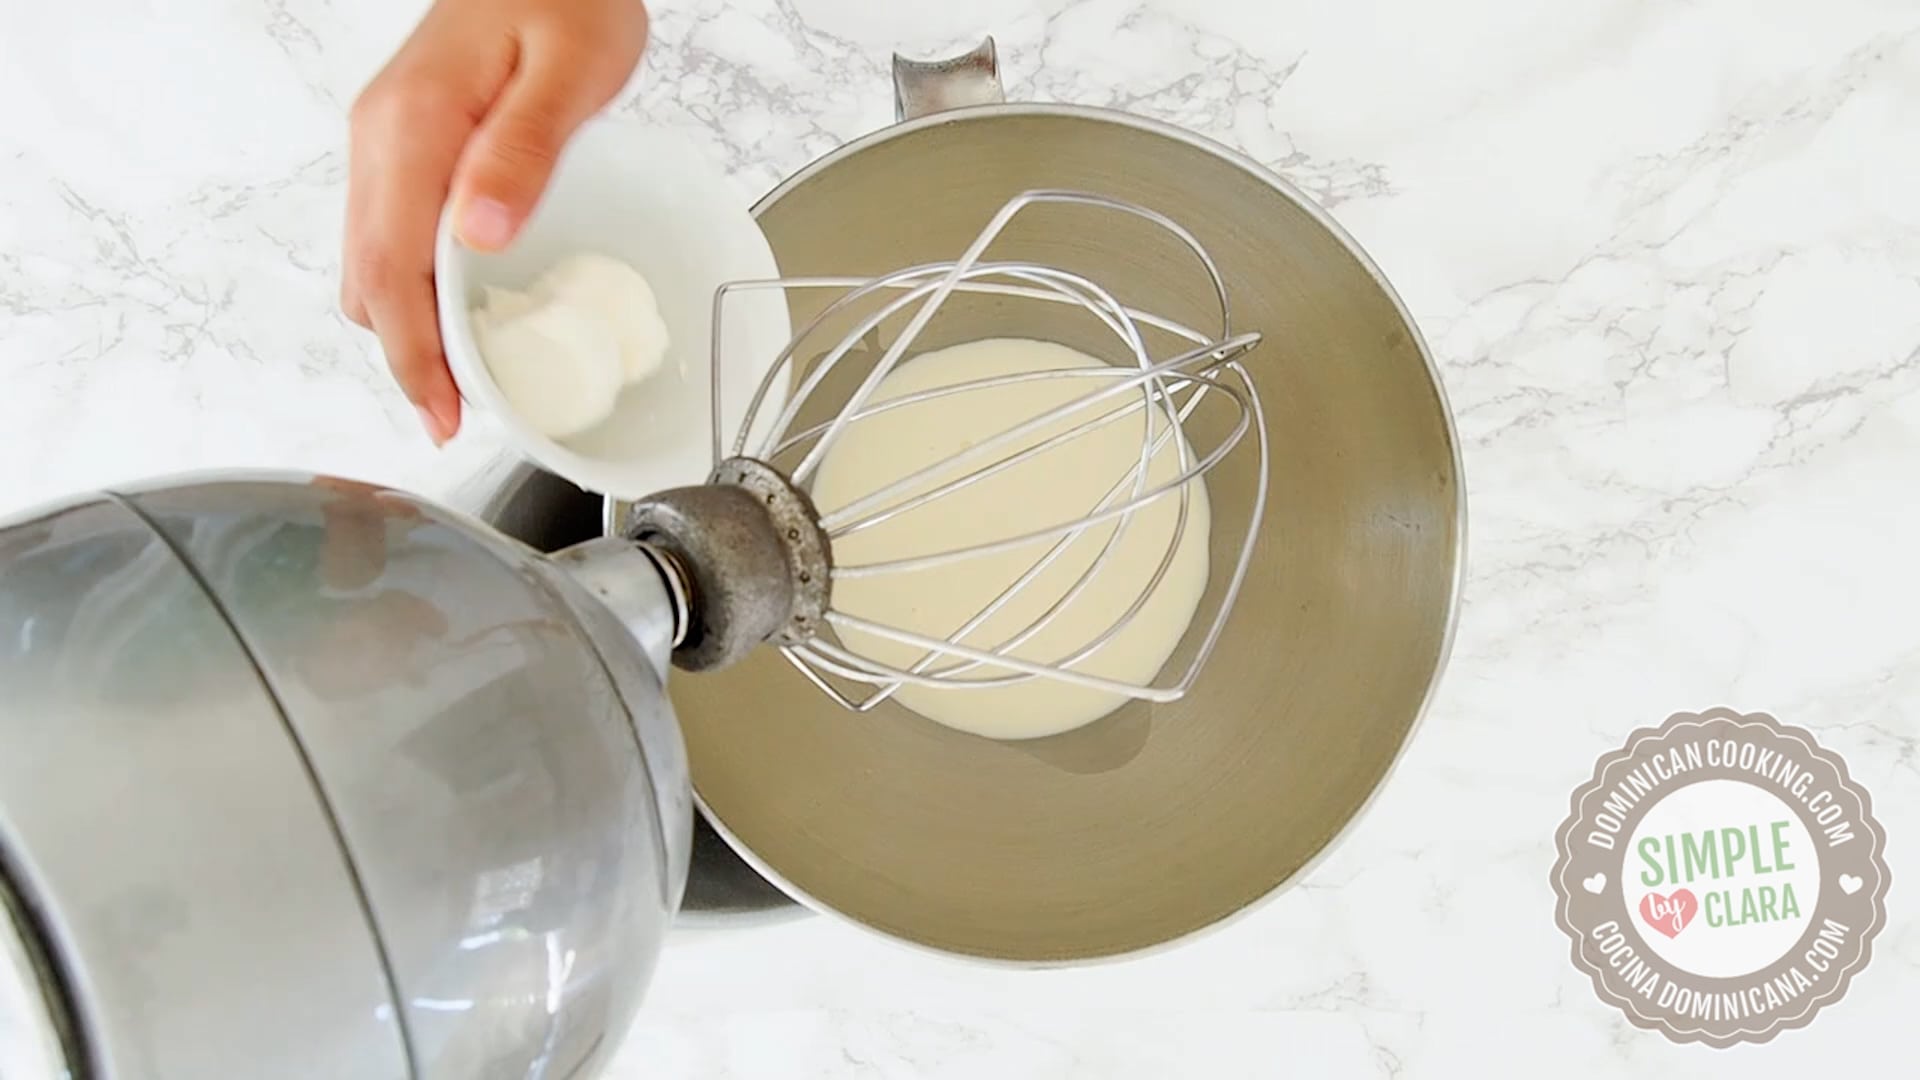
1060,530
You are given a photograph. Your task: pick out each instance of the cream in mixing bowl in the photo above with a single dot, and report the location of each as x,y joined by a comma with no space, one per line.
563,350
1051,488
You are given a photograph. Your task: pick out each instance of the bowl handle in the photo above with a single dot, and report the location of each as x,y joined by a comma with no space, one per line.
921,87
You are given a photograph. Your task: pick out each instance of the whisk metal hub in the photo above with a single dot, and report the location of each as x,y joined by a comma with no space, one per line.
752,562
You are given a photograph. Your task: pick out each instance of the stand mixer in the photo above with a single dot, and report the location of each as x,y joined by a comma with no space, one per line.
301,777
448,760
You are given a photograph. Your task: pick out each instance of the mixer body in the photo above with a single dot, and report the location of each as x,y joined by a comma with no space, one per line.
305,778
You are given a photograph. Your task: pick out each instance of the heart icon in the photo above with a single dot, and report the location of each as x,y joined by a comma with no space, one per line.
1669,914
1595,883
1850,883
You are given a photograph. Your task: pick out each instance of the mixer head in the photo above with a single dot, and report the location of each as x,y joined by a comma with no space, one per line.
758,558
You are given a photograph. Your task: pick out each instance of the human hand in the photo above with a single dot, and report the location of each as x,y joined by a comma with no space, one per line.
476,107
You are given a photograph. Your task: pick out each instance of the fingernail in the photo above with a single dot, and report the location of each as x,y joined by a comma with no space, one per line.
448,414
435,430
486,224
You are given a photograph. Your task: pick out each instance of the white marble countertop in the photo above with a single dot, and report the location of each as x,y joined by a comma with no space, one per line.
1668,255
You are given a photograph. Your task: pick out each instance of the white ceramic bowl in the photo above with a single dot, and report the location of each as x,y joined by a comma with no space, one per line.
651,199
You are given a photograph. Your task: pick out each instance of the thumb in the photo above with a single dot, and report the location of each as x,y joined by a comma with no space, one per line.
510,159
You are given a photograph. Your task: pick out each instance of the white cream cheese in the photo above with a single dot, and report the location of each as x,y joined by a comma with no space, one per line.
563,350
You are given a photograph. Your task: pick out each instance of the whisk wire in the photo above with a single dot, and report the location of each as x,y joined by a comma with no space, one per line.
1131,506
1045,618
1020,431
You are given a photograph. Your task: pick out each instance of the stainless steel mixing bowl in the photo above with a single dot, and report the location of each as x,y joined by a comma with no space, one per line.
1158,821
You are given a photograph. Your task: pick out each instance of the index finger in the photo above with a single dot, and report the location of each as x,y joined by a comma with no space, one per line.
400,166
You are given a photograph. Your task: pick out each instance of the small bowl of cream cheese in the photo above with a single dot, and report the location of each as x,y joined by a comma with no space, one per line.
589,341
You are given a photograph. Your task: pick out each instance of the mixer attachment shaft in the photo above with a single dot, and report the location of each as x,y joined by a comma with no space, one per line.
746,558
